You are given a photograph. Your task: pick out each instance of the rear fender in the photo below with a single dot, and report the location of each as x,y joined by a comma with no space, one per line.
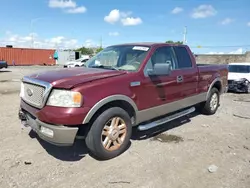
213,84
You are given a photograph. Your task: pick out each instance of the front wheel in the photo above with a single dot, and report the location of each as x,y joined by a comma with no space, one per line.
109,134
211,105
248,88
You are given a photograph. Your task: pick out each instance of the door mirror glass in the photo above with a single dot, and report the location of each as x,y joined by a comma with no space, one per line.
160,69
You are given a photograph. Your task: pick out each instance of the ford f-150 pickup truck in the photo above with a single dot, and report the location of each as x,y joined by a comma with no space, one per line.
123,86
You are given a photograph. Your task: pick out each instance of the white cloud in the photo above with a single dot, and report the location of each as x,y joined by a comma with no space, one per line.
113,16
77,10
227,21
129,21
248,24
89,43
33,39
238,51
204,11
69,6
125,14
62,4
213,53
177,10
114,34
116,15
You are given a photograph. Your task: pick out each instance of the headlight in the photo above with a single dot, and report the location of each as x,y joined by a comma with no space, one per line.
244,80
65,98
21,90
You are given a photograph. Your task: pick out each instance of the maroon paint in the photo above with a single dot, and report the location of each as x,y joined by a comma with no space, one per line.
96,84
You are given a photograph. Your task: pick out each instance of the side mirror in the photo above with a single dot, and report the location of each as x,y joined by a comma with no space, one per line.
160,69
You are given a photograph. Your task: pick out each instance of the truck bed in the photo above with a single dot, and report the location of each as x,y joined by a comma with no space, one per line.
209,72
212,67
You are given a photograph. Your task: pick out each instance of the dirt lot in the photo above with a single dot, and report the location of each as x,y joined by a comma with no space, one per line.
175,155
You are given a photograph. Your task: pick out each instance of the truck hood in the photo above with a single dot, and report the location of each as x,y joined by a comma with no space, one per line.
68,78
238,76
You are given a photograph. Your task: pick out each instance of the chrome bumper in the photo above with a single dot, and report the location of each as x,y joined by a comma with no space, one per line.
55,134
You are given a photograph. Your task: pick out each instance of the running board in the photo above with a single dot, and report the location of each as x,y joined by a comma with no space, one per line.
165,119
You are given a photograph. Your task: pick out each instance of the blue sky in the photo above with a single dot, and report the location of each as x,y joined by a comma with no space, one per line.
72,23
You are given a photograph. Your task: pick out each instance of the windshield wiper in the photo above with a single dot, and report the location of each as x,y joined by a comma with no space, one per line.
105,67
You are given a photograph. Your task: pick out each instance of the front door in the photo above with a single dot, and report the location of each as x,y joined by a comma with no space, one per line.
157,92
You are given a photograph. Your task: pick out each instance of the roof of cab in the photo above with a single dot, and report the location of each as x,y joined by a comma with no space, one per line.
148,44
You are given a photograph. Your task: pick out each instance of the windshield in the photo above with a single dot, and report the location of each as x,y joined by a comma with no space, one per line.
239,68
124,57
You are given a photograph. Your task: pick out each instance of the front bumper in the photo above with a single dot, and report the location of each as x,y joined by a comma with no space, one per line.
68,66
57,115
55,134
237,86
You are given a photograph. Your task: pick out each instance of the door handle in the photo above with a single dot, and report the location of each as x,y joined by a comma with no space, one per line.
179,79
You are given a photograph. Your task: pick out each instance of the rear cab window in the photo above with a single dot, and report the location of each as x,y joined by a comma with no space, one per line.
183,57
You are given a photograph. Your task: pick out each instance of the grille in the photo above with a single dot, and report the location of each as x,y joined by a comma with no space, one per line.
230,82
33,94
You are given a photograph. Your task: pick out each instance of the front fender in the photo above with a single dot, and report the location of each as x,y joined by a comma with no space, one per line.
106,100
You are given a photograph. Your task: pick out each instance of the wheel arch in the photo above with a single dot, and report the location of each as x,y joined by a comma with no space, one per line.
115,100
217,83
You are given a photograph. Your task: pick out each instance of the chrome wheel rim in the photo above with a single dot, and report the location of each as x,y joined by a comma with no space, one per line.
114,133
214,101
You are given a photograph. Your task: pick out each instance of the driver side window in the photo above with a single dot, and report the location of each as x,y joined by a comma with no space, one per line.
163,54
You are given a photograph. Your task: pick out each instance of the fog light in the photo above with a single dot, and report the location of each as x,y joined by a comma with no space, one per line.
46,131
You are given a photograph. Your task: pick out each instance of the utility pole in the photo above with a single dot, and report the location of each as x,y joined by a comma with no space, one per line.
32,34
101,42
32,30
185,35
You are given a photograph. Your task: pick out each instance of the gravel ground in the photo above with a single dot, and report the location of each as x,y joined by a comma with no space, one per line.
174,155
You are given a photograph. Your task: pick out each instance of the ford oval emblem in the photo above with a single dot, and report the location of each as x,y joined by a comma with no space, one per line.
29,92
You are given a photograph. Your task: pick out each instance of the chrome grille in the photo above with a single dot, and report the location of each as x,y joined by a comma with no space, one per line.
33,94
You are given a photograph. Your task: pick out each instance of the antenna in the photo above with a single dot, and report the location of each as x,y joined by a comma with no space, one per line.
185,35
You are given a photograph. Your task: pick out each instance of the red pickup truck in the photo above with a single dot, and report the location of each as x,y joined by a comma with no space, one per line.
126,85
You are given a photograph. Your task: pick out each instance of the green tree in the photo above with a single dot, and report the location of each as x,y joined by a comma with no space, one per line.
99,49
85,51
172,42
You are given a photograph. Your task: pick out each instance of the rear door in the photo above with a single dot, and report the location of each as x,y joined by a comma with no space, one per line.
186,73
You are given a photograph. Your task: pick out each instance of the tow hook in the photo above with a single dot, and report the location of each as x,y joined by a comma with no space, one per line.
23,119
22,116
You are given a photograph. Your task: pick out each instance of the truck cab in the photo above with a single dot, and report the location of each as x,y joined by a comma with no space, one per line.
141,85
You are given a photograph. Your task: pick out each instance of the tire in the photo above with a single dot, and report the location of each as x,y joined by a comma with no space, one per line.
248,88
76,65
100,135
207,108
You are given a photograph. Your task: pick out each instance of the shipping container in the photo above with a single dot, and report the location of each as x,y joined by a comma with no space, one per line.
27,56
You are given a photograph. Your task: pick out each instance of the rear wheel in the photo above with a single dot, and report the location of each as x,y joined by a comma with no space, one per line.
211,105
109,134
